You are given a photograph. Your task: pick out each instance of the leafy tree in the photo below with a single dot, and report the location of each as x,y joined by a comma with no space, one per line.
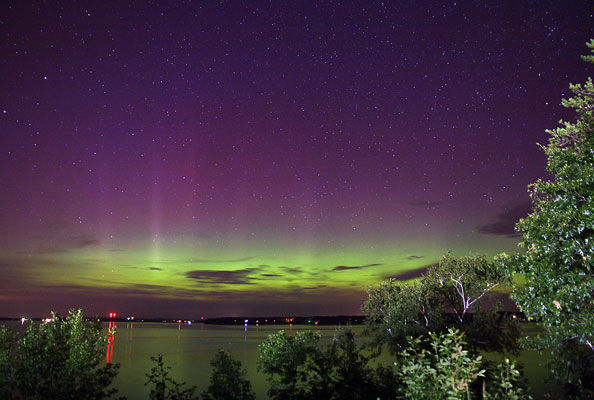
558,265
448,294
315,377
439,367
386,381
62,359
445,371
398,309
280,356
491,330
163,386
352,377
461,283
227,381
572,365
7,345
339,371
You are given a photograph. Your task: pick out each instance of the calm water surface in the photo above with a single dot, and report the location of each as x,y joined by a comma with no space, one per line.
188,350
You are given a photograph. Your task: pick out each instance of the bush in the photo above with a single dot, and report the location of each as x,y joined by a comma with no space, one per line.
444,371
439,367
61,359
227,381
280,357
504,383
299,368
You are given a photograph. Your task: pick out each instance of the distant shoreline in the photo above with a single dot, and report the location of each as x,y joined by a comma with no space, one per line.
278,320
316,320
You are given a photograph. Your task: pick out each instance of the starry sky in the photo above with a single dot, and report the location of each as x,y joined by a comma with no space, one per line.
253,157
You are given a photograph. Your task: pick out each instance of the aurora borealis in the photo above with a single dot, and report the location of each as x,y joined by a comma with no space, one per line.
202,158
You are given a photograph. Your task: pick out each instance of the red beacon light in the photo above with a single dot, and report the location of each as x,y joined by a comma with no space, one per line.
112,315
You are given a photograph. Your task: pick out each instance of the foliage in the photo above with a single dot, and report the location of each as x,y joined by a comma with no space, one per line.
340,371
352,378
448,294
439,367
165,387
492,331
557,268
572,365
445,371
227,381
336,372
397,309
461,283
280,356
60,359
385,380
504,382
7,344
314,377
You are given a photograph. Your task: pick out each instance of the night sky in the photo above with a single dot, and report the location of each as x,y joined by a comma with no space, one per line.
226,158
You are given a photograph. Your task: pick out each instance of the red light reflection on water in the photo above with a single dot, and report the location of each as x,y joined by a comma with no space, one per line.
109,354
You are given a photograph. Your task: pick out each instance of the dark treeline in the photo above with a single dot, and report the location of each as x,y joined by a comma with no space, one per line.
278,320
297,320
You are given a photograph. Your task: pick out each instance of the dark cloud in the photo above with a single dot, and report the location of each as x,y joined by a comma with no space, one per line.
70,288
293,270
315,287
345,268
80,242
503,224
154,300
412,274
270,275
156,269
425,203
151,287
235,277
20,294
414,257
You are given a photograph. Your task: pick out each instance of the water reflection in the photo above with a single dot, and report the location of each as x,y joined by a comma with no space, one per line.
130,328
110,338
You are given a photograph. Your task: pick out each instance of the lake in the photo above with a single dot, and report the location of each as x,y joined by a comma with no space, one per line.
188,349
